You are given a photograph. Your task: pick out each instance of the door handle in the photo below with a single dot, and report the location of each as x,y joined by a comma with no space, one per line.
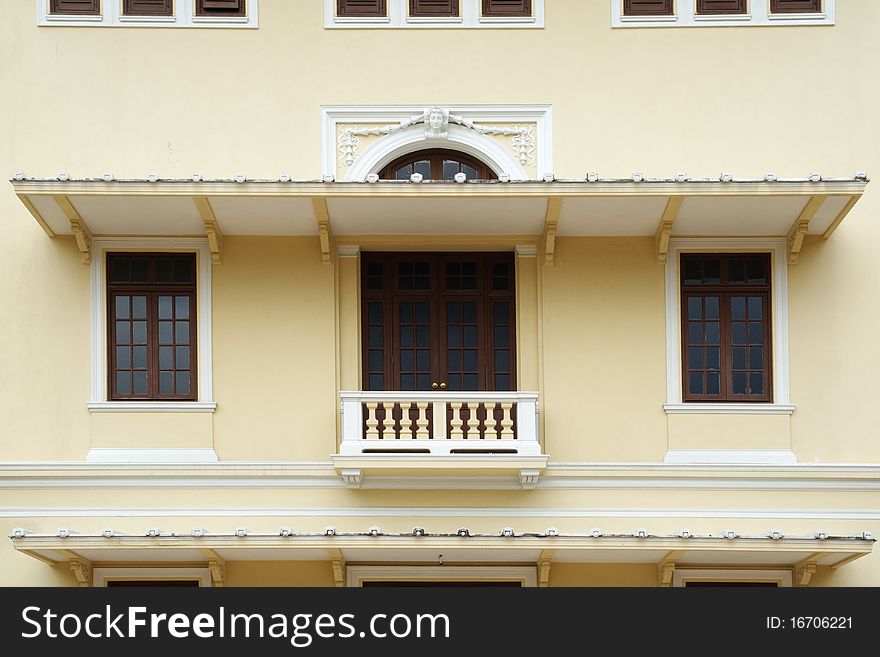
443,386
435,385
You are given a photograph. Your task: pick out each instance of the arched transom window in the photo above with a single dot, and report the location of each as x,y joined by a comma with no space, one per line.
437,164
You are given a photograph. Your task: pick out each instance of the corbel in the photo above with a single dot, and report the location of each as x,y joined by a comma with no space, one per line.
544,562
804,570
217,567
794,241
664,229
212,228
78,227
325,235
337,565
666,569
551,224
81,567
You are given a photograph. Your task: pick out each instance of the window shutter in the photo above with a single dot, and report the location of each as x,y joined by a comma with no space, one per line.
795,6
220,7
75,7
647,7
721,6
148,7
433,7
360,8
507,7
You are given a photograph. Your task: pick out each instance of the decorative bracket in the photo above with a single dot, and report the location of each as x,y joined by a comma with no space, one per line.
82,570
551,224
795,239
666,569
664,230
322,216
212,228
353,477
337,565
804,570
80,230
528,479
217,567
544,562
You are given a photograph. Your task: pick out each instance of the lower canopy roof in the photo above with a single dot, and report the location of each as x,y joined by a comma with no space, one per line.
662,208
420,546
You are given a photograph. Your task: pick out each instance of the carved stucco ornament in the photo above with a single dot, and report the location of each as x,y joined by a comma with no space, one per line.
436,121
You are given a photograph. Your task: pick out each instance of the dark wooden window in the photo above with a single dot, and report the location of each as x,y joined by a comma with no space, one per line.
722,6
221,7
648,7
438,321
151,317
153,583
81,7
507,7
148,7
795,6
725,327
360,8
433,7
437,164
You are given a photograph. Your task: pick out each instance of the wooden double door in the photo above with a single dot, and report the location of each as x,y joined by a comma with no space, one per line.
438,321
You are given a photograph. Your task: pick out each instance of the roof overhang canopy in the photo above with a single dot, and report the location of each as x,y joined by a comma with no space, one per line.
541,210
507,547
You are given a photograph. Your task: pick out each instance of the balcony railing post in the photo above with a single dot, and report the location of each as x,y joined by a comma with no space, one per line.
352,419
439,415
527,421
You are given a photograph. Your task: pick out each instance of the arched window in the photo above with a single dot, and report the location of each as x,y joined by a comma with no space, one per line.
437,164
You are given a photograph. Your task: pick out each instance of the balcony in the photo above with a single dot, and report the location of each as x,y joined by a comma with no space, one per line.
440,434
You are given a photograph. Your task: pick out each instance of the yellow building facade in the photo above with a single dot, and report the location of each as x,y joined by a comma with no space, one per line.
553,292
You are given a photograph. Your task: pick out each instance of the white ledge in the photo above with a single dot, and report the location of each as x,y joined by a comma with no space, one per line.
696,408
731,456
151,407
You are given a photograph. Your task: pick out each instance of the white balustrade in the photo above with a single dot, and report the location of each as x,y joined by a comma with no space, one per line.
441,424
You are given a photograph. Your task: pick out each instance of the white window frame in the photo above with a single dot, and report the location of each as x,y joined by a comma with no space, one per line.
99,402
682,576
779,324
100,576
686,16
184,16
471,16
357,575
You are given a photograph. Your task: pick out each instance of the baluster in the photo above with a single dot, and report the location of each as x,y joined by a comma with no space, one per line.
507,422
422,422
456,433
372,421
473,432
388,432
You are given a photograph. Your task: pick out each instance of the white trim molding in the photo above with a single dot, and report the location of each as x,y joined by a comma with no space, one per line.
731,456
151,456
683,575
686,16
779,323
100,247
404,132
470,16
184,16
357,575
101,576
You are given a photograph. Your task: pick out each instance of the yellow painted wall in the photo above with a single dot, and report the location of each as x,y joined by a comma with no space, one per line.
744,100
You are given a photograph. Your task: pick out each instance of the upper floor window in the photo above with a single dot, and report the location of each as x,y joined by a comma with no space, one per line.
434,13
437,164
149,13
151,310
690,13
725,302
